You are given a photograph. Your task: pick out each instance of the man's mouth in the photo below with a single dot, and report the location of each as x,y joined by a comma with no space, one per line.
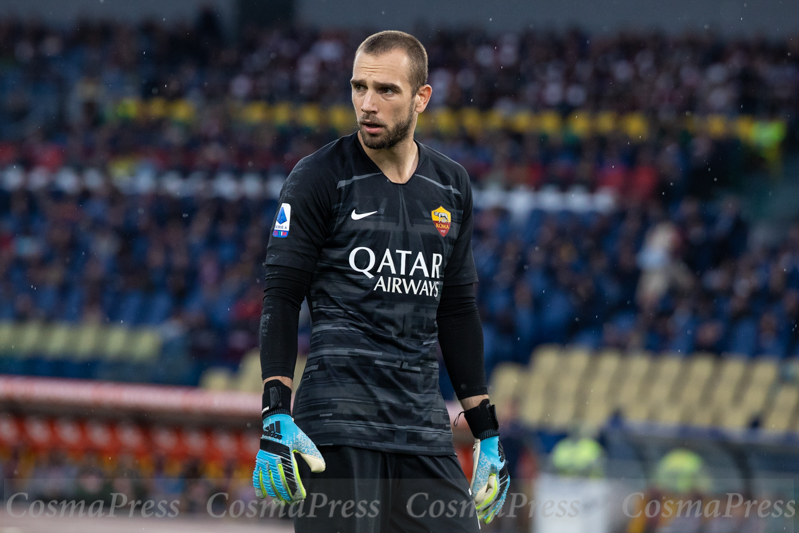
371,127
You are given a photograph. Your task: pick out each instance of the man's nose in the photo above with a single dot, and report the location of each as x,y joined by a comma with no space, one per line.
369,105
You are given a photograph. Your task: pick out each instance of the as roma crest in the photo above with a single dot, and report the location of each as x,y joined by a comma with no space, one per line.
442,219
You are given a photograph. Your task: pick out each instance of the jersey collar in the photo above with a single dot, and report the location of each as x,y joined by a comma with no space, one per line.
365,165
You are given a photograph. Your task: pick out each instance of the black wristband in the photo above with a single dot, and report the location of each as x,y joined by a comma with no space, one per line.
276,399
482,420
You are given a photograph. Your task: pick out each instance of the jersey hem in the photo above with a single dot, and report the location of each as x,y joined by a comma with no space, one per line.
299,265
384,447
460,281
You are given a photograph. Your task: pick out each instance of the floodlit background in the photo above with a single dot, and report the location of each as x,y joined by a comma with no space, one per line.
636,177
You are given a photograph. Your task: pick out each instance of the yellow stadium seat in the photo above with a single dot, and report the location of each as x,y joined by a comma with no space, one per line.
546,359
248,377
7,338
562,415
580,124
637,412
605,122
694,392
87,342
744,126
215,379
635,126
667,370
341,118
596,412
703,417
128,108
29,339
735,419
282,114
532,401
716,126
783,410
255,113
523,121
602,376
549,122
143,345
251,362
754,398
493,120
576,361
505,382
59,341
670,414
764,370
471,119
424,123
636,370
310,115
445,120
157,107
114,342
182,111
299,368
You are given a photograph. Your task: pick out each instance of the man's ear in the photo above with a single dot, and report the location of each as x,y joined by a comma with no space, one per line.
423,97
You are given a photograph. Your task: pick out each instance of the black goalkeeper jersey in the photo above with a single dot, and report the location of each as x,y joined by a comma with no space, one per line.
380,253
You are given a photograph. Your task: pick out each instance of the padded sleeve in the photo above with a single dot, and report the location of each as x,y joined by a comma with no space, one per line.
460,335
285,289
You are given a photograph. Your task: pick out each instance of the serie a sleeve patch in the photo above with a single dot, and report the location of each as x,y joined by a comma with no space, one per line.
282,222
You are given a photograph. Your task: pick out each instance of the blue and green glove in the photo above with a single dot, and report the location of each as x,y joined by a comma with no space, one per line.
490,478
276,471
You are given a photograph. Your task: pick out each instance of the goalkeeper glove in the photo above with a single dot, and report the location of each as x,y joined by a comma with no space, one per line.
276,471
490,478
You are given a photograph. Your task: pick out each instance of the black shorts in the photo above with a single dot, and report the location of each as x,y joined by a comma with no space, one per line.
368,491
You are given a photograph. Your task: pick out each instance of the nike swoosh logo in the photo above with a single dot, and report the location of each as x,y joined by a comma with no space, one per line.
356,216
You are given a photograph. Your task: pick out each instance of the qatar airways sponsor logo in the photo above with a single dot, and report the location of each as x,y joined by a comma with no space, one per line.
396,270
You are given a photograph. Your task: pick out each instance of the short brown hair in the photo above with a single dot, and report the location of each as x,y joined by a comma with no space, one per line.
386,41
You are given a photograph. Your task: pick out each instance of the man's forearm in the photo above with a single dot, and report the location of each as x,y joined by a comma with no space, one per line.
460,335
283,379
285,289
473,401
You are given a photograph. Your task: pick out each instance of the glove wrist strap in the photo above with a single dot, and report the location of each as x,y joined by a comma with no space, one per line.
276,399
482,420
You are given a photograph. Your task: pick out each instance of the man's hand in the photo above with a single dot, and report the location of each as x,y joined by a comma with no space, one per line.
490,478
276,471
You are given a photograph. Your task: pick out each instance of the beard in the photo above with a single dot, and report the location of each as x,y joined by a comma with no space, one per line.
390,136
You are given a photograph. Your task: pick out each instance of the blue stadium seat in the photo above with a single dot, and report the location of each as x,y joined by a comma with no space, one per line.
129,308
743,337
72,307
157,309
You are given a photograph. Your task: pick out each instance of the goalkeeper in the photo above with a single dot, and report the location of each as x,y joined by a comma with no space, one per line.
375,229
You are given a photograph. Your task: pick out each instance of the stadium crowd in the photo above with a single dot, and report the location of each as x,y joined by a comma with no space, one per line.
61,88
49,68
149,219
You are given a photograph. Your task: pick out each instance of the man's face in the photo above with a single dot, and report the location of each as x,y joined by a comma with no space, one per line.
385,106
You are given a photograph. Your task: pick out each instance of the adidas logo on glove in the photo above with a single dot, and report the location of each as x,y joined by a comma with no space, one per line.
273,431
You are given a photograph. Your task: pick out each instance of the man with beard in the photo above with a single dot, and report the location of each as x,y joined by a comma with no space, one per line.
375,230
